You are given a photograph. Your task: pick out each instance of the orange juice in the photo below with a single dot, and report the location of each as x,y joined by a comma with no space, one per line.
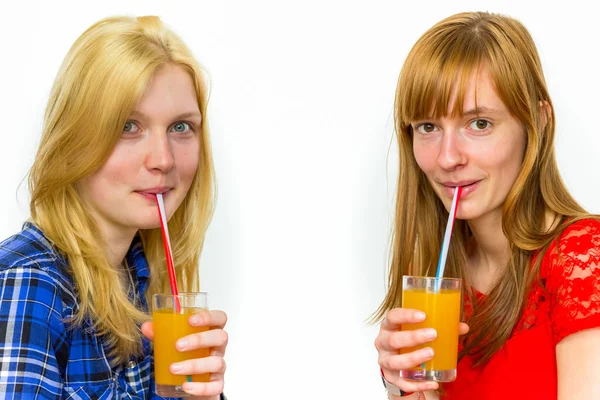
168,328
443,314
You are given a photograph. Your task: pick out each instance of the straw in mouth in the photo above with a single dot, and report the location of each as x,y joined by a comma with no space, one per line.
167,244
448,233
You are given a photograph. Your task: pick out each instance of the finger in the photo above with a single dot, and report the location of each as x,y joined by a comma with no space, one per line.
212,318
148,330
406,385
414,386
216,377
398,362
397,340
218,351
210,338
463,328
400,316
206,389
197,366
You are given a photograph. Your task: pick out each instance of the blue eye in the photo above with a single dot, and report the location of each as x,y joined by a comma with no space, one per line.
181,127
130,127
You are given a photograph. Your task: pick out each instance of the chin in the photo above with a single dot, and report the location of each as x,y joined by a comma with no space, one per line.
148,225
469,216
146,221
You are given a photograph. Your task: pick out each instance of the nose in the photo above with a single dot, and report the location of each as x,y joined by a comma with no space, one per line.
159,155
452,154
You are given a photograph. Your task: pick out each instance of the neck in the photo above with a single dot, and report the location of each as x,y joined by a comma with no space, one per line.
118,241
118,247
488,252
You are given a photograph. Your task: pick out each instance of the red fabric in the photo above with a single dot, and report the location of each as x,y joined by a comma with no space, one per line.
525,367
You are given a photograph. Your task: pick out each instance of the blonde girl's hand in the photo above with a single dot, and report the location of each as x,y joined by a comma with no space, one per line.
215,338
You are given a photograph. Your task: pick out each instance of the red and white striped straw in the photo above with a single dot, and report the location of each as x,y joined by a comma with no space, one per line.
167,243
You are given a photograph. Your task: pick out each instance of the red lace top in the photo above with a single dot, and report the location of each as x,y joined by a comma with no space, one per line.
525,367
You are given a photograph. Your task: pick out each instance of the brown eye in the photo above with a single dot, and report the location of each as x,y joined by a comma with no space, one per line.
426,128
480,124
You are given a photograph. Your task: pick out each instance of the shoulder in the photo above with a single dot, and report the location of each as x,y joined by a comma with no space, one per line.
578,242
36,297
574,256
28,247
29,261
571,267
581,236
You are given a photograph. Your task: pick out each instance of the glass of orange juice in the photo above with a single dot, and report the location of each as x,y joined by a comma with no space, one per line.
440,300
170,316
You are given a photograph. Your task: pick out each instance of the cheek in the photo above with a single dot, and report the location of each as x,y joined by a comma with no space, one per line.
98,189
507,157
425,157
187,157
121,167
119,170
513,163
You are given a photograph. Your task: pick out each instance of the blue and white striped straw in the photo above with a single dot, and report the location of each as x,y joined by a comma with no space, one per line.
446,243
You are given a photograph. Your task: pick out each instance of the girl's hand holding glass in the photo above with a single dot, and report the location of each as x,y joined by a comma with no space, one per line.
214,338
391,339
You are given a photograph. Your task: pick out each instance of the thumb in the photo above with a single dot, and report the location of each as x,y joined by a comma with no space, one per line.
463,328
148,330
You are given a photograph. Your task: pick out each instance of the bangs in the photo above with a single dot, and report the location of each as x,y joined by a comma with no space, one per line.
440,65
433,71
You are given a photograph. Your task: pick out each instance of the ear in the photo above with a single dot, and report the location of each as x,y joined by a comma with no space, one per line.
546,112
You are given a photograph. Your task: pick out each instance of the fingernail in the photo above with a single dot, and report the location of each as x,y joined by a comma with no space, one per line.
188,387
419,315
428,352
429,333
175,368
432,386
182,344
195,320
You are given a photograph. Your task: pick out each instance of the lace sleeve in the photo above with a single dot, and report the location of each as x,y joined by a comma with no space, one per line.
574,279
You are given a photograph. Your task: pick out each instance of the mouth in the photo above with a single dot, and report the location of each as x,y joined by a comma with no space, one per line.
467,187
151,193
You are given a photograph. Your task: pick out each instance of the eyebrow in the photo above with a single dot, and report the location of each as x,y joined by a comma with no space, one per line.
481,110
190,114
468,113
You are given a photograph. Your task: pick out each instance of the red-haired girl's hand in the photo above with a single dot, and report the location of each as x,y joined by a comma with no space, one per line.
391,339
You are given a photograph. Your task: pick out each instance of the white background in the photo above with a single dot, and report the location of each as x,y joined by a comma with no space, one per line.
301,118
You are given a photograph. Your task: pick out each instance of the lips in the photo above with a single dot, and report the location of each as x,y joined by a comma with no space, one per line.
150,194
467,187
155,190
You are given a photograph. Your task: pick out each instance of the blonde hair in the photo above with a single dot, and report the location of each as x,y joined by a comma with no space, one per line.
104,74
445,57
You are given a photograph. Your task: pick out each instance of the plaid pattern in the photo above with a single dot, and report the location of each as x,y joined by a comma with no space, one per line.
40,355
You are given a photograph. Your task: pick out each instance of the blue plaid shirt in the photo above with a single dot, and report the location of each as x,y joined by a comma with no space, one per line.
40,355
